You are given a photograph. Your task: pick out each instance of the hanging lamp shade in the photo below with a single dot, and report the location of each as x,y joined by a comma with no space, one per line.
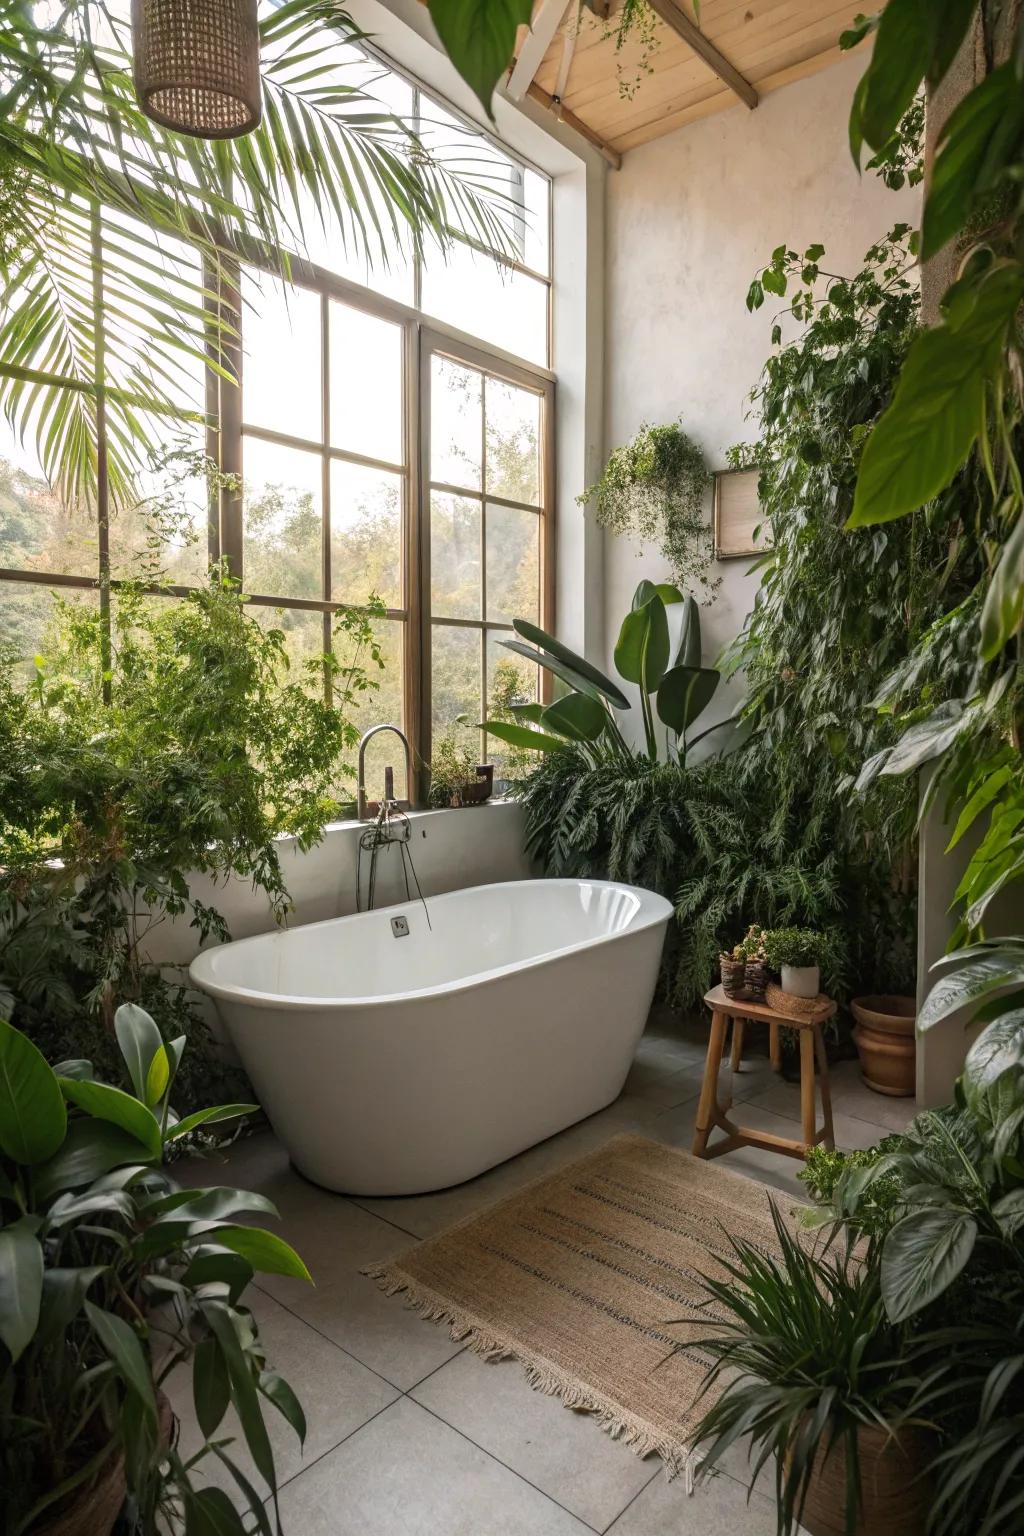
197,65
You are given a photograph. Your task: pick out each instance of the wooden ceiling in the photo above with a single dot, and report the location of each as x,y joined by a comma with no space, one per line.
756,45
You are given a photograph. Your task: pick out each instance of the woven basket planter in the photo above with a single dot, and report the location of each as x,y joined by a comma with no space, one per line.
733,973
756,980
896,1498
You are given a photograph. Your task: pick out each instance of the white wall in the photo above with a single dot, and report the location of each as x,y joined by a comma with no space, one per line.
691,218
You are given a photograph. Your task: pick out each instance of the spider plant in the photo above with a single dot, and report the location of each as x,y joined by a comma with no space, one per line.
809,1360
114,232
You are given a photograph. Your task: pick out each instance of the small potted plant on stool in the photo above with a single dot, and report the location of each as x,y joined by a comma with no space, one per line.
795,955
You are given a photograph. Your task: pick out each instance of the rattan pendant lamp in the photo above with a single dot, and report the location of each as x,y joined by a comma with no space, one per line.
197,65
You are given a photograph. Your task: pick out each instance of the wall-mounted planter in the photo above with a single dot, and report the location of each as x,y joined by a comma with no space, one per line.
886,1043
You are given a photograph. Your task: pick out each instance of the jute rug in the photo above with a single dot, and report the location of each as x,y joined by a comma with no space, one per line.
590,1278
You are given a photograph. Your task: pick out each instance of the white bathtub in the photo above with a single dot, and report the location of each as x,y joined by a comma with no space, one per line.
394,1065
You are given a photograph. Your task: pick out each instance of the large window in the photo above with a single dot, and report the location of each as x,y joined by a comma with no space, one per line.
393,436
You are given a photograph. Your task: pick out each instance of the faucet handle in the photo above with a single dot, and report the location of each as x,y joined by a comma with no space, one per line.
389,783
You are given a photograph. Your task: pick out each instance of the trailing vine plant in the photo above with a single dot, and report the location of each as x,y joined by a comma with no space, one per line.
655,489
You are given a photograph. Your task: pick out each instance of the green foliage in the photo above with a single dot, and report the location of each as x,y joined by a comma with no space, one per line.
453,762
807,1358
635,21
73,136
716,841
654,489
479,37
796,946
586,717
112,1277
187,749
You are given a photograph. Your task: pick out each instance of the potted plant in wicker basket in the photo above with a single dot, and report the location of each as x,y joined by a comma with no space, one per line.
733,965
755,978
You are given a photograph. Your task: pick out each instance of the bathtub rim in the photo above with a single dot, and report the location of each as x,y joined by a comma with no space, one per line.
652,909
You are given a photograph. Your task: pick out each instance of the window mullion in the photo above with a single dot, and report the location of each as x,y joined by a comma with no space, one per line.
325,479
102,448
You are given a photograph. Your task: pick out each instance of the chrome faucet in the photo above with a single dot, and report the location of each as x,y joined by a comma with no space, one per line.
388,774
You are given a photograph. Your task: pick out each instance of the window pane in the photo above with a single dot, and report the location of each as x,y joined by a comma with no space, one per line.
39,529
456,425
496,177
513,565
27,619
513,442
366,534
486,299
537,239
303,632
164,536
455,673
511,679
282,507
281,386
455,585
370,708
366,385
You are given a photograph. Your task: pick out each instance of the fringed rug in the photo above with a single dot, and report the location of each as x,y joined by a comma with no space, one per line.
590,1278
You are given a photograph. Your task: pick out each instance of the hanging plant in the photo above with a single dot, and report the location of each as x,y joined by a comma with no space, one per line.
637,20
654,489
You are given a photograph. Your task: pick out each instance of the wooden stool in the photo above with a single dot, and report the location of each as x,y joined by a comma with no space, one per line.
812,1047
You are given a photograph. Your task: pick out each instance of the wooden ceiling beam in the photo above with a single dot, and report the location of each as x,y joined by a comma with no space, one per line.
677,19
544,27
570,120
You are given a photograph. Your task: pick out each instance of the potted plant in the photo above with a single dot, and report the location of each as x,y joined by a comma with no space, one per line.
886,1040
733,965
806,1361
755,978
113,1277
456,779
795,955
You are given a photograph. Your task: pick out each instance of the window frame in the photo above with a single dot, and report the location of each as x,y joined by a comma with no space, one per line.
423,336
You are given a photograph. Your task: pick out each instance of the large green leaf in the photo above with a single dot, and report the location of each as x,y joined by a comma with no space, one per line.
284,1400
140,1041
684,694
105,1103
993,1076
64,1291
922,1256
641,651
525,736
211,1387
90,1149
265,1251
215,1116
601,686
122,1344
1003,613
576,716
244,1395
21,1284
939,408
898,65
976,140
33,1119
962,992
479,37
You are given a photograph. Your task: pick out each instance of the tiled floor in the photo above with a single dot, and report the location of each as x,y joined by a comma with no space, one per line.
412,1435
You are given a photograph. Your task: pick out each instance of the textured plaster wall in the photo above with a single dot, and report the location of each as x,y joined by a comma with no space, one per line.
690,219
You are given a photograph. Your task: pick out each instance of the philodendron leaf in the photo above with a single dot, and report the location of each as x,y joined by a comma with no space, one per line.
962,992
684,694
641,652
938,410
922,1256
600,686
1003,613
105,1103
33,1119
479,37
525,736
898,65
140,1040
576,716
993,1076
21,1285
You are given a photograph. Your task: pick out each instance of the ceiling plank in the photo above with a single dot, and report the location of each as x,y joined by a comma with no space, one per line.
691,34
538,40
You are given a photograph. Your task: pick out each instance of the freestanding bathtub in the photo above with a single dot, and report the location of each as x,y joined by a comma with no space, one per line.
393,1057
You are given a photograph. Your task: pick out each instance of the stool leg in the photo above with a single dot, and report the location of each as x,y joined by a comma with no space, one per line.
708,1106
807,1115
736,1061
775,1047
824,1087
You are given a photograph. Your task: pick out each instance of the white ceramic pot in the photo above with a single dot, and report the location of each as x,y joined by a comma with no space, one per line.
801,980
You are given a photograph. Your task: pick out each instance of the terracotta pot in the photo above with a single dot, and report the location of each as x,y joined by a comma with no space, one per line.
886,1043
95,1512
895,1498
